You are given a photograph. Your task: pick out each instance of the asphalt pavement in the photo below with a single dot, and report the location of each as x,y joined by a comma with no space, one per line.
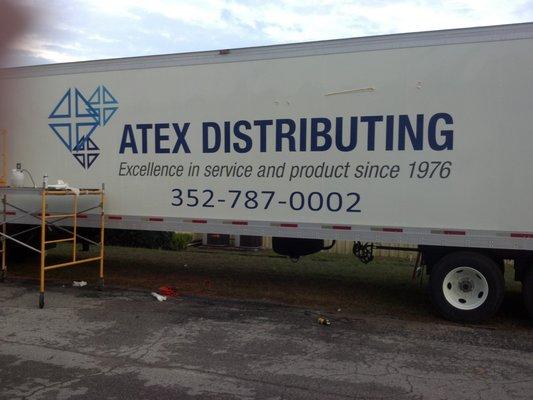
119,344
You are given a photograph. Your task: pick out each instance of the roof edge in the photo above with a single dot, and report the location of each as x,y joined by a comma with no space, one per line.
335,46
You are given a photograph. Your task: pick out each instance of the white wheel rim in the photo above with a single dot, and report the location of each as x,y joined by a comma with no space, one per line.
465,288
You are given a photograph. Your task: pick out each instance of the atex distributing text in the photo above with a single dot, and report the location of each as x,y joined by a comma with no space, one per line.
318,134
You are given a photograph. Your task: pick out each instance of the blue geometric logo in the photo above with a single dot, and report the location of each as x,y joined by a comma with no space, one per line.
76,118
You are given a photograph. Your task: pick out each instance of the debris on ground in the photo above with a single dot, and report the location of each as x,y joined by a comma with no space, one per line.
169,291
79,283
324,321
159,297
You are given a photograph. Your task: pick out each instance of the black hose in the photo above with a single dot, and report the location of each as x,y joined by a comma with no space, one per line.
330,246
29,174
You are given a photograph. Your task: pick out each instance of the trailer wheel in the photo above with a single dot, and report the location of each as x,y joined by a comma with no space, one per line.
466,287
527,290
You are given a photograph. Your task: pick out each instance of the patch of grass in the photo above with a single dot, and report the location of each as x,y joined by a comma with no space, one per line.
324,281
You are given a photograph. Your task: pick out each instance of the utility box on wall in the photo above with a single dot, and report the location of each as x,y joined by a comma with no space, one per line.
215,239
242,241
249,242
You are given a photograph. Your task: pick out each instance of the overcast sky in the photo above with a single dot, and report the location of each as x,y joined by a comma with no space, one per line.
75,30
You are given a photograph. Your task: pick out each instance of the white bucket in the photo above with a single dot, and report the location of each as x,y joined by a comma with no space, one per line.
16,179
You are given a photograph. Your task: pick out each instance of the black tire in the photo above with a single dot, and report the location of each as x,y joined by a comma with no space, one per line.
41,300
527,290
487,269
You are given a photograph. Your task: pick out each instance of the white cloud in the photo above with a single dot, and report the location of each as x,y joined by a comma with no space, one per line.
48,51
102,39
296,20
119,28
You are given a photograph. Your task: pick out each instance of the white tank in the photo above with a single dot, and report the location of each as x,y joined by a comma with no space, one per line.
16,178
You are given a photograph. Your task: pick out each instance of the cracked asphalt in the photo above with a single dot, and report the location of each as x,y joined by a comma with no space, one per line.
125,345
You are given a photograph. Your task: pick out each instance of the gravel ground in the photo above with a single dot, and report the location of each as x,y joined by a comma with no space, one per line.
123,344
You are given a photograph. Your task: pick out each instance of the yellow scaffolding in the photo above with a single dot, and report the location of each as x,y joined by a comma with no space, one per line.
3,154
53,219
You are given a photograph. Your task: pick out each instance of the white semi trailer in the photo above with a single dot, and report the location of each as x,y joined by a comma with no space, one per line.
419,138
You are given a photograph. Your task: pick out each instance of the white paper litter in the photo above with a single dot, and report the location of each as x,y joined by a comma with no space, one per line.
159,297
79,283
61,185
